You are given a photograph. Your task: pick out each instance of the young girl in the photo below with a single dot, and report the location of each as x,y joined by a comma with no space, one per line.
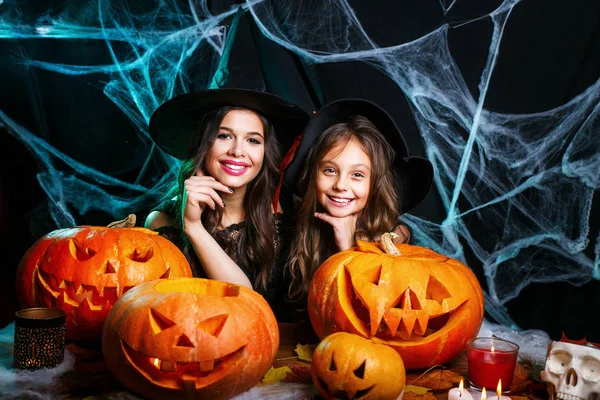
353,184
220,211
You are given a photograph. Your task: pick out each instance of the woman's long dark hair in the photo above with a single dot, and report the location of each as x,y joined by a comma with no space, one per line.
256,247
314,241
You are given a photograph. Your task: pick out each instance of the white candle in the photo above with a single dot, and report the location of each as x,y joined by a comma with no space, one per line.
459,393
498,395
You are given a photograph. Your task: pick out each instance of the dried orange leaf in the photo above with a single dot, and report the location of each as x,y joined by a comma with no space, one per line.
300,373
415,389
521,380
437,379
415,396
275,375
305,351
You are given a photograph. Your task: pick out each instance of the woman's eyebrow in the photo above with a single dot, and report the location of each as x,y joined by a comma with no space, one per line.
251,133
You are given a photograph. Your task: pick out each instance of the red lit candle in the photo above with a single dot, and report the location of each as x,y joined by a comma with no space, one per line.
491,360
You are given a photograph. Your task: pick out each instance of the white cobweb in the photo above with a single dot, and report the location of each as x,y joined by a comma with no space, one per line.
527,181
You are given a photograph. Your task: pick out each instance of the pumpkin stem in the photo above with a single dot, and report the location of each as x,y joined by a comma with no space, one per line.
128,222
387,244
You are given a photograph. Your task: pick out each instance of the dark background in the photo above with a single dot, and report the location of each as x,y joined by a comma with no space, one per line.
550,53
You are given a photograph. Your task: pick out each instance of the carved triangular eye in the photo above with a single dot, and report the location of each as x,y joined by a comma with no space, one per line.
436,290
360,371
142,255
166,275
109,268
184,341
332,366
79,251
159,322
213,325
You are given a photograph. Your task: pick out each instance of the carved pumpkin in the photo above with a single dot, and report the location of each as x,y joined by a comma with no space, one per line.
348,366
422,304
190,338
84,270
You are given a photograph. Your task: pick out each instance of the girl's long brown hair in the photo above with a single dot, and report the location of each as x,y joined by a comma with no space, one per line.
314,241
256,247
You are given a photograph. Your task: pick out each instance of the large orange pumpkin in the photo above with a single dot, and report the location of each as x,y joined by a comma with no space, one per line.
422,304
348,366
190,338
83,270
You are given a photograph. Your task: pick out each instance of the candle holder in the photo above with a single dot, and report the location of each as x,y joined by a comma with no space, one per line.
39,338
491,360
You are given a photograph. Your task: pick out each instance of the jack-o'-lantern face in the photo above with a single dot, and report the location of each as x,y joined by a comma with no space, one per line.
84,270
420,300
348,366
192,337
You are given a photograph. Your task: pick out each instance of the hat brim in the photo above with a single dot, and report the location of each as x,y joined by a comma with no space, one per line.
174,121
415,173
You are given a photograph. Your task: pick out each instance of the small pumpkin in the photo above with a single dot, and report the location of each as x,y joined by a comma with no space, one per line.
421,303
348,366
85,269
190,338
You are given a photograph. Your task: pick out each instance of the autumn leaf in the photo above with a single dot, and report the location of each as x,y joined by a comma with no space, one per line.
415,396
305,351
521,380
300,373
275,375
436,379
415,389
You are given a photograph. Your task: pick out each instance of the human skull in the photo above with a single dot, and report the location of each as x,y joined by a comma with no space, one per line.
572,371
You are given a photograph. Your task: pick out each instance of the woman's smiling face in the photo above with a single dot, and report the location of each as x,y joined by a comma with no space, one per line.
344,179
236,157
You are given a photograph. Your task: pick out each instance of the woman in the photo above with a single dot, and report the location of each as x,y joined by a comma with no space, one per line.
222,210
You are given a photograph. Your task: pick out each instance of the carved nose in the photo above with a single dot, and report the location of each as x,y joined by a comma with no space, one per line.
571,377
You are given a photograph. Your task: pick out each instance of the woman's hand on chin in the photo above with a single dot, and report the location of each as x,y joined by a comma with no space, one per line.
201,192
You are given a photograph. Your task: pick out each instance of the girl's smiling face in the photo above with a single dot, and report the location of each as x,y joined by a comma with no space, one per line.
237,155
344,179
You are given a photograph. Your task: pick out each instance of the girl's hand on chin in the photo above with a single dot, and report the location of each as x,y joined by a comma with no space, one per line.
343,229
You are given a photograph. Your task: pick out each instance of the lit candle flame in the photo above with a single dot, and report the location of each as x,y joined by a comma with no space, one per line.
483,395
461,387
499,388
156,362
492,348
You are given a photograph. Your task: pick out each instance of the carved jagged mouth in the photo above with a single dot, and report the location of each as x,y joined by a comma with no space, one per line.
341,394
94,297
403,323
185,375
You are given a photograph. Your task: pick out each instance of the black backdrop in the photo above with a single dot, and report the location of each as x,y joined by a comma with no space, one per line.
550,53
